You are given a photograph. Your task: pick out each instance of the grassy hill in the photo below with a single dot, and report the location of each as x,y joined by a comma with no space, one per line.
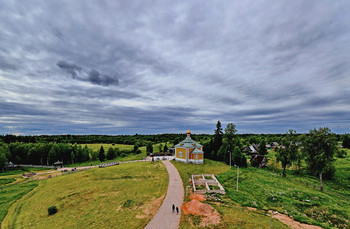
123,196
265,189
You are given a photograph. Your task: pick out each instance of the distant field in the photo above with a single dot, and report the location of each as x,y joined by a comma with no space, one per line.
122,196
127,157
97,146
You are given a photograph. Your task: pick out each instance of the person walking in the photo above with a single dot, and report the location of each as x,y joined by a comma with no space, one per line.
173,208
177,210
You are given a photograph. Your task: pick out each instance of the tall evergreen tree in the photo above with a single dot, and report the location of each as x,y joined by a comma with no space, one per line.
262,147
101,154
110,154
217,138
149,148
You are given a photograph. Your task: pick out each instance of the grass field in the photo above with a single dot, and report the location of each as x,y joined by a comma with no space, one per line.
97,146
266,189
232,214
20,171
11,193
123,196
127,157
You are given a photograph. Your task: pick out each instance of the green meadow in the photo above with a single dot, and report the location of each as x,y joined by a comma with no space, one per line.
126,157
265,189
123,196
232,214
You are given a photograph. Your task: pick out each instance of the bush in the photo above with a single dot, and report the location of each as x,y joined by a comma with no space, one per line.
341,153
254,162
52,210
128,203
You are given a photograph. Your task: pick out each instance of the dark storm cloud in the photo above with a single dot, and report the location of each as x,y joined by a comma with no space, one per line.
92,76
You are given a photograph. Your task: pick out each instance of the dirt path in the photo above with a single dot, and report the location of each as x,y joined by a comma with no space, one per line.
175,195
292,223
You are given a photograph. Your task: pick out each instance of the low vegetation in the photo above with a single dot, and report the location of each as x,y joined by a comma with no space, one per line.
9,194
232,215
126,196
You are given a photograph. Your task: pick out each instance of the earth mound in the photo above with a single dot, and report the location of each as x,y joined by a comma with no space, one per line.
197,197
208,214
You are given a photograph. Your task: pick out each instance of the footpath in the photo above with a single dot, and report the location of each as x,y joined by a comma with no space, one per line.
165,218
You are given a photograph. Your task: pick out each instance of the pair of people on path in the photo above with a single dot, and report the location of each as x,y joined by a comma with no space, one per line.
177,209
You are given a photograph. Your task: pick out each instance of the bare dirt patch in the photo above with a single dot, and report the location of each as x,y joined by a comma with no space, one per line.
199,197
151,208
292,223
209,216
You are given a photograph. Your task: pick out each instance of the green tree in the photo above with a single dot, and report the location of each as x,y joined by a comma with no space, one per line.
3,160
111,154
165,148
101,154
149,148
346,141
287,153
136,147
262,147
94,155
229,136
52,156
239,158
218,135
72,156
320,146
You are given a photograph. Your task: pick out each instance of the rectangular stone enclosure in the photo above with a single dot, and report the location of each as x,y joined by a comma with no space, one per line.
206,183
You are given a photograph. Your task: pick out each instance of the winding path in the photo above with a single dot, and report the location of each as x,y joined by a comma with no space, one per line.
175,195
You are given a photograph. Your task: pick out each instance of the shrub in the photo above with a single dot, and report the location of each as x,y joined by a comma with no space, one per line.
254,162
128,203
52,210
341,153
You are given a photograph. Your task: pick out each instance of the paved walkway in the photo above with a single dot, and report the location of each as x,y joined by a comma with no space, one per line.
175,195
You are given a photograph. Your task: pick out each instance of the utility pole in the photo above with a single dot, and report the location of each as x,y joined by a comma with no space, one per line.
237,176
230,158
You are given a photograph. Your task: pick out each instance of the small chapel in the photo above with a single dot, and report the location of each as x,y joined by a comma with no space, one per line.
189,151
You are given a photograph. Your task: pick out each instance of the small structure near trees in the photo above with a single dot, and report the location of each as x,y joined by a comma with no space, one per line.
58,164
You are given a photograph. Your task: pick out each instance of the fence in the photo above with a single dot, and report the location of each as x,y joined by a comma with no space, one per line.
35,166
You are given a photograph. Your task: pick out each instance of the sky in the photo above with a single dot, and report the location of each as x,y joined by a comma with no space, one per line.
149,67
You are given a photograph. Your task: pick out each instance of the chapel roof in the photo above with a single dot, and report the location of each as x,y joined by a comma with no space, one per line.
188,143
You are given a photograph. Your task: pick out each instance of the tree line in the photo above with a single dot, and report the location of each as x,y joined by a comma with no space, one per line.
49,153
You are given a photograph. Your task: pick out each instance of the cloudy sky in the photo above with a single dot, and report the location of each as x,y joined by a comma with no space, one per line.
126,67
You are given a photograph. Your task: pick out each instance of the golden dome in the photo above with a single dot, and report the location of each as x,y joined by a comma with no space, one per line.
188,132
